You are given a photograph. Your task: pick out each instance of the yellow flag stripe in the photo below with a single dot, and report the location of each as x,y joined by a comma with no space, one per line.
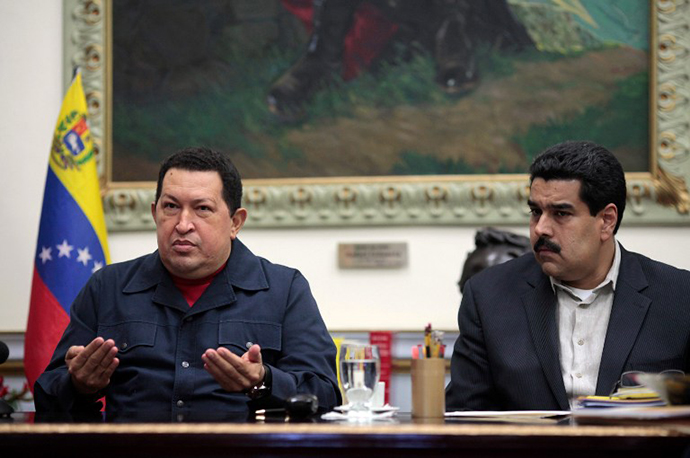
75,168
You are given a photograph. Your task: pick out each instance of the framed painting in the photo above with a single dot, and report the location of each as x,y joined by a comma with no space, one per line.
370,112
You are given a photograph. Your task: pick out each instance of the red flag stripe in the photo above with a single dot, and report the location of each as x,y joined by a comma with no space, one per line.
47,320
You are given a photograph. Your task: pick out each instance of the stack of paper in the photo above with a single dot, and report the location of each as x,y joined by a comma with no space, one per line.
615,401
639,396
509,416
632,413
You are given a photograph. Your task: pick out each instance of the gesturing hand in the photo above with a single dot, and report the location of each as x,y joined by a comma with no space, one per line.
91,367
232,372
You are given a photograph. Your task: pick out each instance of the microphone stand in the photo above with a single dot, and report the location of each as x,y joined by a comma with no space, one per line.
5,409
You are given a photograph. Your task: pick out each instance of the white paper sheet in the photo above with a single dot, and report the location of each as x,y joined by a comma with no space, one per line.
508,413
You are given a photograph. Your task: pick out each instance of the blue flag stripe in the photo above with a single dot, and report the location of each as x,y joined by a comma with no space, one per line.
68,248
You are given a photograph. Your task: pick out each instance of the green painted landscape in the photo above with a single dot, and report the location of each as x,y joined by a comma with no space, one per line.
591,82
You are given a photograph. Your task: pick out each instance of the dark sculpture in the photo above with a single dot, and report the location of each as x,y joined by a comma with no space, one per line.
493,247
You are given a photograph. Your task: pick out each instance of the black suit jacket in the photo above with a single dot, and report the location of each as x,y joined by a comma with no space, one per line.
506,357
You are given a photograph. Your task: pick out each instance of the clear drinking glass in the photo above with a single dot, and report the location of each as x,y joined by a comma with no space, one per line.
360,368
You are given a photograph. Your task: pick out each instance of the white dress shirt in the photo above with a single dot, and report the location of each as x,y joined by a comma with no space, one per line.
583,318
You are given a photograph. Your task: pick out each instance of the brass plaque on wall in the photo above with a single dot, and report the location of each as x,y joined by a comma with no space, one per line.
372,255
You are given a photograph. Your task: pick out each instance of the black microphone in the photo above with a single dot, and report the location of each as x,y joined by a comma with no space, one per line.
297,407
4,352
5,409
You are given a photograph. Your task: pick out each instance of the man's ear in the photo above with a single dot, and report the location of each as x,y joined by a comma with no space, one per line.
153,211
609,216
238,220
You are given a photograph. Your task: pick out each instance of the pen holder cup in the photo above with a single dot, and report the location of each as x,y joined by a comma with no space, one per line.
428,387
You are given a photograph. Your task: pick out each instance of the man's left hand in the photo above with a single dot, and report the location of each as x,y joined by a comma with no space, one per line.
232,372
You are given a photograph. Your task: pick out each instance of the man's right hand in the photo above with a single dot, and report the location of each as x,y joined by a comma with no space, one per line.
91,367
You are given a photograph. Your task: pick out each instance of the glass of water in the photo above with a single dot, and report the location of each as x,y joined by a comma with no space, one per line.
360,368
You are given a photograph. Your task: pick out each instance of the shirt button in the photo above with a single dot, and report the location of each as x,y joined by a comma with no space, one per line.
578,375
185,364
180,403
124,345
580,342
189,318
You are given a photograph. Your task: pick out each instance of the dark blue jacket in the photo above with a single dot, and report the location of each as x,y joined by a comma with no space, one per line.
161,339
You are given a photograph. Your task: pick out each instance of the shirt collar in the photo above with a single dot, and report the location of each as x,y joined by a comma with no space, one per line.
611,276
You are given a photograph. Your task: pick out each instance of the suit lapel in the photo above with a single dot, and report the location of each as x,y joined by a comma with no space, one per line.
540,306
627,315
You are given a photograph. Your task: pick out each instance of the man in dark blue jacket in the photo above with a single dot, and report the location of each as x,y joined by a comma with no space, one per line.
200,325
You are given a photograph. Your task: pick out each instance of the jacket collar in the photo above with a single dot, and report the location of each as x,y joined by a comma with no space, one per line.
629,309
149,273
540,306
242,271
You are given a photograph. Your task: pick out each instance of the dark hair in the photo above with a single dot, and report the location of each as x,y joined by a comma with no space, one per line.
202,159
597,169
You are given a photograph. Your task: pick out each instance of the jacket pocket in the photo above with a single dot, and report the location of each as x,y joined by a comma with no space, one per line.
130,335
237,334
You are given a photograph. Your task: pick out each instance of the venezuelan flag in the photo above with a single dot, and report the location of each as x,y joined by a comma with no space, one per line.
72,238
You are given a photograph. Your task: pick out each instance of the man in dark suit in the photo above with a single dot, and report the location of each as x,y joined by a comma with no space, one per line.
570,318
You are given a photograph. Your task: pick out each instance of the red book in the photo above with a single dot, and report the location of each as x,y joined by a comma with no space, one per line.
384,340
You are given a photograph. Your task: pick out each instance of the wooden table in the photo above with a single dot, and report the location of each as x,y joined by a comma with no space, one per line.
403,438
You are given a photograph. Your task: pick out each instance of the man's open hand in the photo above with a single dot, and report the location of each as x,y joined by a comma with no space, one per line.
232,372
92,366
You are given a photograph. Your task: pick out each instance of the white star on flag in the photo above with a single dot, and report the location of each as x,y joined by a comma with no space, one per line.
97,265
84,256
65,249
45,254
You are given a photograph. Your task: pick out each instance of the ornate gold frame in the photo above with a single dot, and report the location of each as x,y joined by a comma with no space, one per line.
659,196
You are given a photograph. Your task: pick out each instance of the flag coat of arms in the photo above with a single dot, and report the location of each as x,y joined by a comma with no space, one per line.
72,238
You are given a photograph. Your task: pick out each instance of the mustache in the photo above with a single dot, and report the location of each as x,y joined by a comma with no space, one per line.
548,244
